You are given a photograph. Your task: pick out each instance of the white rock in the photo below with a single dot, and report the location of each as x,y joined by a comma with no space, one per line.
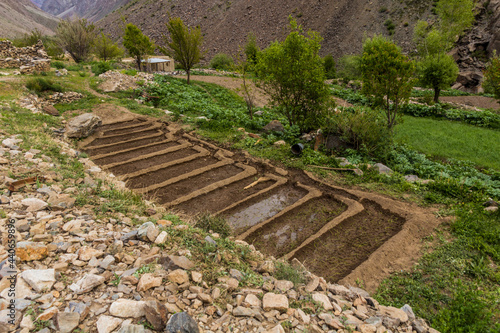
107,324
34,204
125,308
40,279
272,301
323,299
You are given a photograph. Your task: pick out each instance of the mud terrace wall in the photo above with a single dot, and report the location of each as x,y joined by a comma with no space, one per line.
30,59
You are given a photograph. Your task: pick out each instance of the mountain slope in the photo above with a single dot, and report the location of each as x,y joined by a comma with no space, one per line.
21,16
225,24
93,10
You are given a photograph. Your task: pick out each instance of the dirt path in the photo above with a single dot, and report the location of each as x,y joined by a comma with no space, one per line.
475,101
301,216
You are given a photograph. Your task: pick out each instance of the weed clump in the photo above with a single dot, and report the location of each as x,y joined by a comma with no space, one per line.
212,223
284,271
40,85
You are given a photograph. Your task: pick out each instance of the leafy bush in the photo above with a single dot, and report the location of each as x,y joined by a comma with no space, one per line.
221,61
101,67
58,64
456,179
486,119
478,118
212,223
361,128
40,85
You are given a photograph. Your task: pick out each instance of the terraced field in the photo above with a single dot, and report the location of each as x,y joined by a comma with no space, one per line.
336,233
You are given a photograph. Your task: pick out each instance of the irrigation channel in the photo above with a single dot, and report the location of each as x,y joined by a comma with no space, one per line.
336,233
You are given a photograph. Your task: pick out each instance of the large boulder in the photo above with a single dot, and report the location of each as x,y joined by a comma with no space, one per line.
83,125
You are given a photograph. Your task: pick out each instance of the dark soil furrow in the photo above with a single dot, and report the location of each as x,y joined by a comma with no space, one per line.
128,129
125,137
182,188
112,126
169,173
340,250
152,161
136,152
291,229
125,145
217,200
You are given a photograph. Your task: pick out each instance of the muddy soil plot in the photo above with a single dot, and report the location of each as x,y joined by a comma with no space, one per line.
284,213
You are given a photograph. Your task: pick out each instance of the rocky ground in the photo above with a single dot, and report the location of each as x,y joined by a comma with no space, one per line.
92,257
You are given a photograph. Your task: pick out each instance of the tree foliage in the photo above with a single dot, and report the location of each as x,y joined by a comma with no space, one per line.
387,76
76,37
105,49
251,49
492,76
437,71
292,73
137,44
184,44
454,17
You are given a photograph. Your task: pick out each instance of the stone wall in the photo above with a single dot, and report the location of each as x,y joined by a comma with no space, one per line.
29,59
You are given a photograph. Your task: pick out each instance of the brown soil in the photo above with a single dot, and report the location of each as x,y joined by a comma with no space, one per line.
137,152
293,228
185,187
170,172
125,145
474,101
370,238
335,254
151,161
217,200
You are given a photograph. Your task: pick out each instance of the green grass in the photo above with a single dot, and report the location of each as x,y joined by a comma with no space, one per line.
447,139
455,285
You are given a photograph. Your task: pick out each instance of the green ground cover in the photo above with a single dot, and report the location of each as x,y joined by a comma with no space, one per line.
448,139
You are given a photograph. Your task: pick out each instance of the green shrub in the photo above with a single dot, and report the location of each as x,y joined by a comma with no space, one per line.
58,64
361,128
212,223
221,61
391,27
40,85
131,72
101,67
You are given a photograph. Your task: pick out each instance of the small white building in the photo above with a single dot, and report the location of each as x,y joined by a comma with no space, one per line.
159,64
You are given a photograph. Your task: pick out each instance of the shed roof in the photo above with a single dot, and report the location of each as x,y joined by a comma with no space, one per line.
155,60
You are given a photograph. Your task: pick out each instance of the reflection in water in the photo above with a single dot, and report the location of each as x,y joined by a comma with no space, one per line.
263,210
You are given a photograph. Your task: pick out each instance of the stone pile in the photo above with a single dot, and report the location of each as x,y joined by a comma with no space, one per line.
38,104
29,60
115,81
104,273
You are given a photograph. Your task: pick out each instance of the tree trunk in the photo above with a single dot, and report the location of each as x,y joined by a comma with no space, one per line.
188,71
437,91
